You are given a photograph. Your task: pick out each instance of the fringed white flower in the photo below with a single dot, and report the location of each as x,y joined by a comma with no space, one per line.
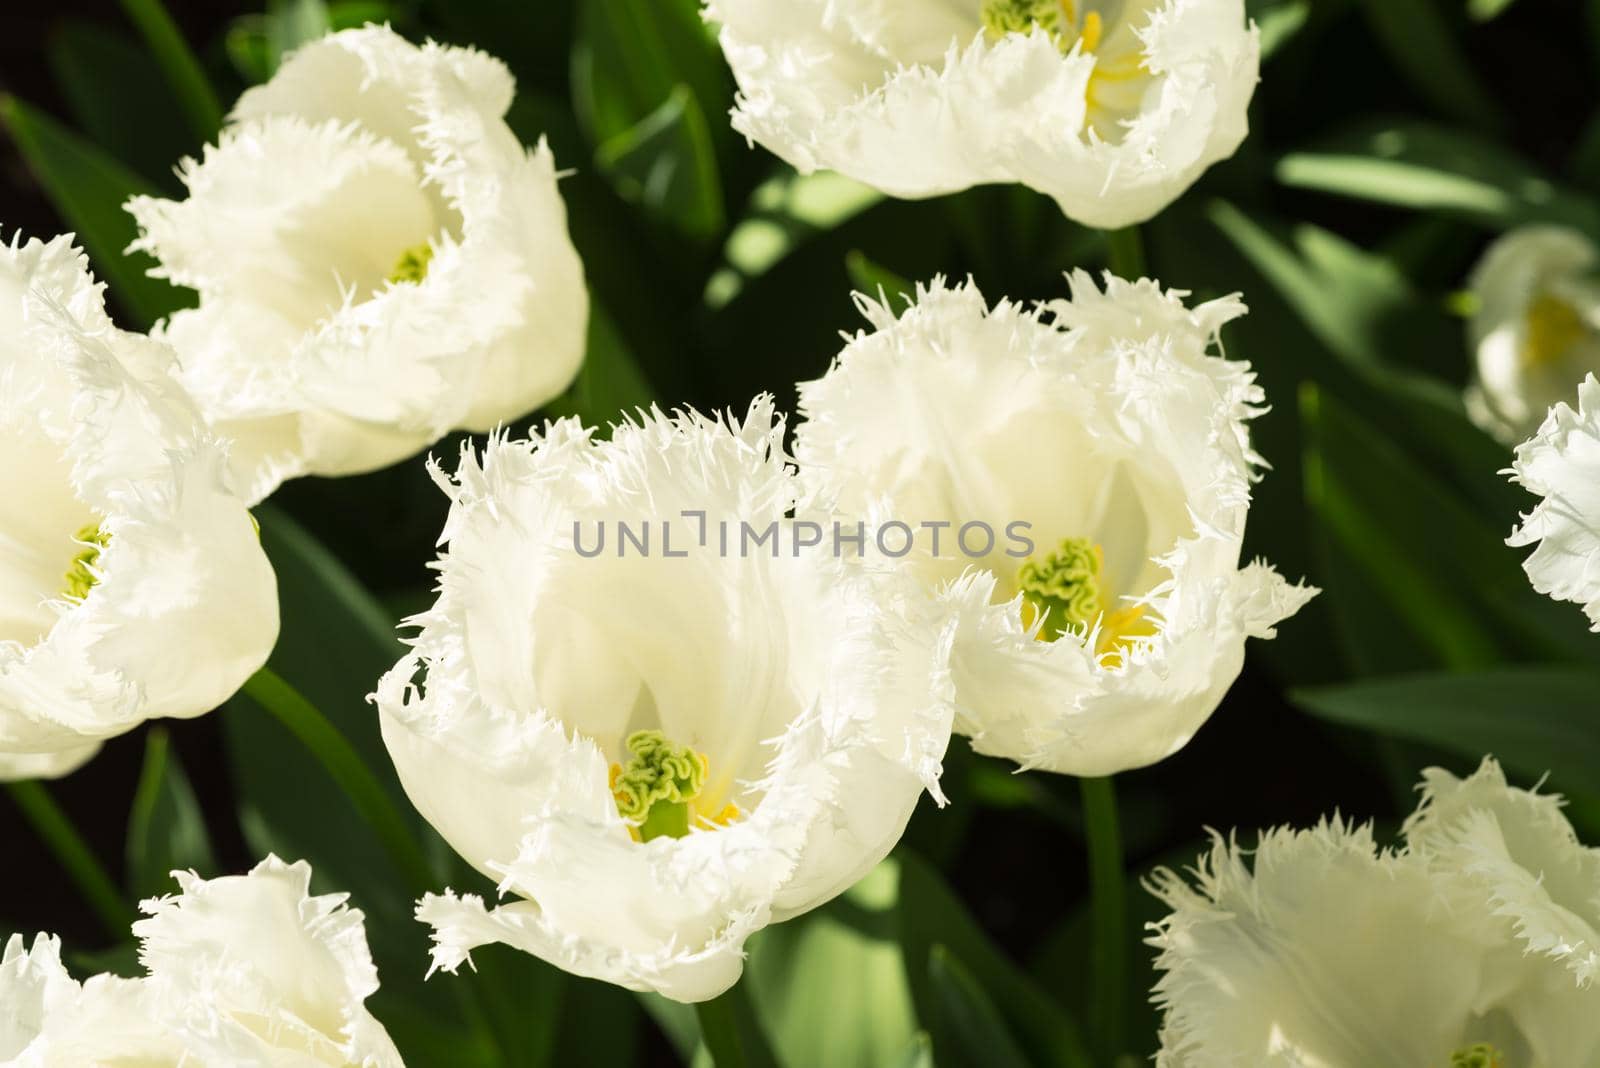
1473,945
242,970
1109,447
379,261
132,582
1561,464
655,756
1535,328
1113,109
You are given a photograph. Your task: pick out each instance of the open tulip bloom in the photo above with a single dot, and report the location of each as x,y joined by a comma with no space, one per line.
132,581
1113,109
379,260
657,755
1477,945
245,970
1535,328
1110,445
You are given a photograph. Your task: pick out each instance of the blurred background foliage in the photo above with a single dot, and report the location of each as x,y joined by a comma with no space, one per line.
1390,141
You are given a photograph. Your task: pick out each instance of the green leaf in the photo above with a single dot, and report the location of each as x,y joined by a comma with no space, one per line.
1433,168
1485,10
183,72
970,1016
632,55
666,166
930,914
610,384
917,1055
1392,519
732,1031
1357,304
1535,720
89,188
784,213
166,831
1279,21
877,281
333,645
1423,45
119,99
346,767
257,44
841,964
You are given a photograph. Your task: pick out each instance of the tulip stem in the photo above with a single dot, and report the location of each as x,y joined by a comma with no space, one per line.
63,839
731,1032
1109,907
341,761
1125,253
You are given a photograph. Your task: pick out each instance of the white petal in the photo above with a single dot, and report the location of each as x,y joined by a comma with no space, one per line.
1561,463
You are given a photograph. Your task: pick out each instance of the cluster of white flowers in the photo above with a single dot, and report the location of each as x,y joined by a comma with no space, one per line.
242,970
657,757
1476,944
653,756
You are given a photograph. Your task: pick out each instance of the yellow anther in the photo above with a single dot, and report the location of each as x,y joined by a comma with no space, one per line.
1092,29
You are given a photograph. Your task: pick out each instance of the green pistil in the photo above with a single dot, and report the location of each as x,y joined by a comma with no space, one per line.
656,786
1064,587
413,264
1478,1055
80,576
1001,17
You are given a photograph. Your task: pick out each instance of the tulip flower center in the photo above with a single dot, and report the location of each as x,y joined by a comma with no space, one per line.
413,264
80,576
658,788
1058,18
1553,327
1064,589
1478,1055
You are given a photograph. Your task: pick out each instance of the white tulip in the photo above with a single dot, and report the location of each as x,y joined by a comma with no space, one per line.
1101,435
1535,328
379,261
247,970
1472,946
657,756
132,582
1561,463
1113,109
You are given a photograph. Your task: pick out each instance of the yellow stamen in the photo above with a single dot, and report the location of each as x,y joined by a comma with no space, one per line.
1553,328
